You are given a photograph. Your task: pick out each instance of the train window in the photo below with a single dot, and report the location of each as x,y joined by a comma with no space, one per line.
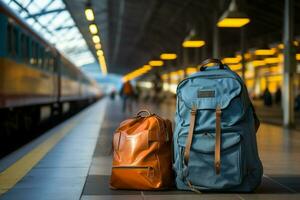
46,60
37,54
11,40
16,41
40,57
24,47
51,63
33,53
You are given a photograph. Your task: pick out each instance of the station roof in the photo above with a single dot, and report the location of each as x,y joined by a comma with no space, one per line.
135,31
52,20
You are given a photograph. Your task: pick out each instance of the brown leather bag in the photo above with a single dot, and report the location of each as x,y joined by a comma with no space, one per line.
142,153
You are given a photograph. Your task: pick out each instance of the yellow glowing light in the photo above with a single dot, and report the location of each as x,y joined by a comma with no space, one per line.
93,28
165,76
173,75
275,69
102,64
247,56
257,63
265,52
272,60
231,59
147,67
180,72
239,57
156,63
96,39
99,53
168,56
280,46
233,22
275,78
193,43
280,56
136,73
97,46
298,56
235,67
249,74
191,70
89,14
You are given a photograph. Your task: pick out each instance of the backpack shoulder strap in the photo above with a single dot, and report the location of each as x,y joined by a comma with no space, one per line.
190,136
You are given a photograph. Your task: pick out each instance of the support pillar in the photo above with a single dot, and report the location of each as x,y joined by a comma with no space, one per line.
216,46
243,51
289,65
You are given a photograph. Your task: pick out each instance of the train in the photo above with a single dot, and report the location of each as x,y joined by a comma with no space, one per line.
37,82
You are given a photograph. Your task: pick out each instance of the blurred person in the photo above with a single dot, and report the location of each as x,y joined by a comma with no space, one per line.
112,94
297,102
157,86
278,95
267,96
127,93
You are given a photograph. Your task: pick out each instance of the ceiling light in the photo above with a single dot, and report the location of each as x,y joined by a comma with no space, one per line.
96,39
193,44
233,18
99,53
89,14
264,52
147,67
235,67
193,40
136,73
298,56
191,70
168,56
257,63
102,65
156,63
97,46
272,60
93,28
231,60
233,22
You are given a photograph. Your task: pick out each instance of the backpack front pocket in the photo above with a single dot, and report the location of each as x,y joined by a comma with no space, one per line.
201,168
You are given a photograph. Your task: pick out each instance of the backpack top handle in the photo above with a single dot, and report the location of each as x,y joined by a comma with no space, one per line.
211,60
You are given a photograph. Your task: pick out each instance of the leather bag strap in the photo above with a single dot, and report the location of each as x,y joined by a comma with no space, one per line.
218,141
190,135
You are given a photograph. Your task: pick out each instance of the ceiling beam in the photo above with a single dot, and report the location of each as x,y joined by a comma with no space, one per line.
45,13
119,30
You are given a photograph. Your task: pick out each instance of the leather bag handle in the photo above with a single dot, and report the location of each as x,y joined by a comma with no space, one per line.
139,114
211,60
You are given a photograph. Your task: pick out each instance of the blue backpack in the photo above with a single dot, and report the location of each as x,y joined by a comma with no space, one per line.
215,145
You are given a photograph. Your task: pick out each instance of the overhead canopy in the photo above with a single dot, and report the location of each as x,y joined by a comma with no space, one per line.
52,20
135,31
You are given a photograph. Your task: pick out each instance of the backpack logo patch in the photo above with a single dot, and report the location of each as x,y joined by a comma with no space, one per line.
206,94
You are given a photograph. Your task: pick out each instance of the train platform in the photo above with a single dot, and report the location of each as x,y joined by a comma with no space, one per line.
73,161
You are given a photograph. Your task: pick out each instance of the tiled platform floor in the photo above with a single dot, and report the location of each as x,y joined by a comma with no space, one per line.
78,167
279,151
